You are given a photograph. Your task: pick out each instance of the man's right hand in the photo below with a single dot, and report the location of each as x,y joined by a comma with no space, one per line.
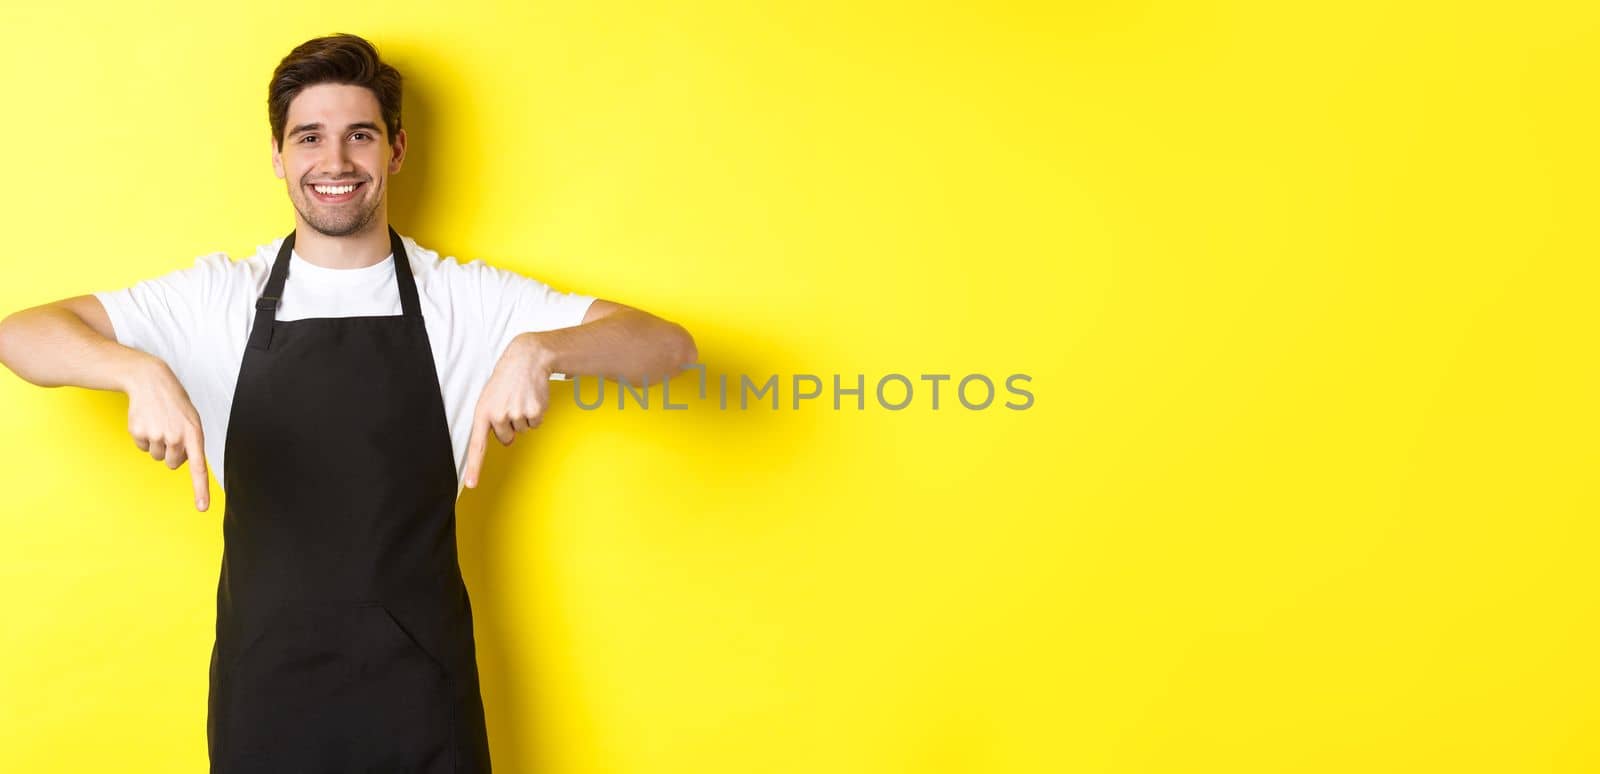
164,423
72,342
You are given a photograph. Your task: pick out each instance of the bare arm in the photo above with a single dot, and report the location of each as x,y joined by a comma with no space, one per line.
614,341
71,343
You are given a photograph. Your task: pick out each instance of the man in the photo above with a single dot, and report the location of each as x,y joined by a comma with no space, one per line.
354,378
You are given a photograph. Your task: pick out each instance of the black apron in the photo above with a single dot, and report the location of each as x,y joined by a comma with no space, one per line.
344,634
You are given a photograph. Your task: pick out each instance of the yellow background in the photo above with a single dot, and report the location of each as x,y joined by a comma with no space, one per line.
1307,296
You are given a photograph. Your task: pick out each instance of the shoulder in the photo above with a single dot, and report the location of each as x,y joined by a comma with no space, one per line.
206,276
485,283
249,273
427,262
451,274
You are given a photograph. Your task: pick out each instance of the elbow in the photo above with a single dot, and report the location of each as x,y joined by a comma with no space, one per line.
7,333
687,353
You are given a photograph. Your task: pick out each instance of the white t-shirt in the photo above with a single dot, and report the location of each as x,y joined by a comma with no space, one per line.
198,321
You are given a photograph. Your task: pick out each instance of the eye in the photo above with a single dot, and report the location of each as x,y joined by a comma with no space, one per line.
361,134
308,137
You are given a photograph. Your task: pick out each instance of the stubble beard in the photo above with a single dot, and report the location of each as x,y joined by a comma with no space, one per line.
339,222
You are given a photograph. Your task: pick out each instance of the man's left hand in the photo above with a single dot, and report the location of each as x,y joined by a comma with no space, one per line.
513,401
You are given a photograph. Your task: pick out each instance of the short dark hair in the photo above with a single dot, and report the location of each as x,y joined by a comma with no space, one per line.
338,58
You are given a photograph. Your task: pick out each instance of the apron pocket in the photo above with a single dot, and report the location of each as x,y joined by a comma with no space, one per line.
338,688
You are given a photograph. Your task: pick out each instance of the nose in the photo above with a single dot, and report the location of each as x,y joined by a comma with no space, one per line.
337,160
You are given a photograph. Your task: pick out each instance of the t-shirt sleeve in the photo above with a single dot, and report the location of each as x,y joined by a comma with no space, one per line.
163,315
515,304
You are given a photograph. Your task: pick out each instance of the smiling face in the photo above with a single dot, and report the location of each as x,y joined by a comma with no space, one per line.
335,159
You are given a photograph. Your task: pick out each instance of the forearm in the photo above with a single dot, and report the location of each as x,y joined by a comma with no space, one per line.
51,346
630,345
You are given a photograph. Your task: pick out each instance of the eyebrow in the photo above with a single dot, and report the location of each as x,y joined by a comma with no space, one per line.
368,125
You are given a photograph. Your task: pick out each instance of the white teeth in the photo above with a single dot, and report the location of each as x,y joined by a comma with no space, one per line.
333,190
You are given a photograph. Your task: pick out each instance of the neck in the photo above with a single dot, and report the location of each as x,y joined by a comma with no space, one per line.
355,251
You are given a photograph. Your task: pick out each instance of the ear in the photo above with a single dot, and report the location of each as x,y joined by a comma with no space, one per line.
277,160
398,147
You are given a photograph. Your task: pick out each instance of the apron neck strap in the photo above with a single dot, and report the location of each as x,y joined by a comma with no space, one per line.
267,302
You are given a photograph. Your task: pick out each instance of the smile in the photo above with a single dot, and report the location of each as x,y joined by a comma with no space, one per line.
335,193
